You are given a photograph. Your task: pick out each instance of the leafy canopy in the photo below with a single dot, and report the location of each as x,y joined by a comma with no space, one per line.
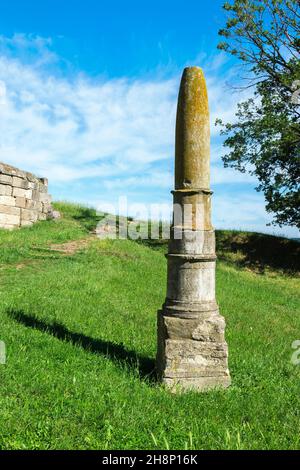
265,138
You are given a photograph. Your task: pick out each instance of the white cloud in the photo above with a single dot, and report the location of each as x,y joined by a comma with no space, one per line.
2,93
33,49
74,128
121,132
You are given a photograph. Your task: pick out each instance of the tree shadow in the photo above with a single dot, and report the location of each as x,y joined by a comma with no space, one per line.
255,251
117,353
259,252
88,218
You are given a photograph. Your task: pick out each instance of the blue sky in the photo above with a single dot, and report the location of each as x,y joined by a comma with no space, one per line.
88,95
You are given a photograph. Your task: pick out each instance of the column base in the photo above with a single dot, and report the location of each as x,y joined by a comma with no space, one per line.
192,353
200,384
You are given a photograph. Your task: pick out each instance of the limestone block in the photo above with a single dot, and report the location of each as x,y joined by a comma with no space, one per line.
207,327
10,210
7,200
21,202
192,350
11,171
20,192
32,204
8,226
189,358
35,195
20,182
9,219
29,215
33,185
42,216
6,179
45,198
44,181
5,190
42,188
26,223
33,179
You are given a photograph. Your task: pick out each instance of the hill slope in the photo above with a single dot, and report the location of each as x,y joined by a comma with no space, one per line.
78,316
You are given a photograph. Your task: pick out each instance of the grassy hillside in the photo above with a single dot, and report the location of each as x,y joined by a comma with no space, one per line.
78,316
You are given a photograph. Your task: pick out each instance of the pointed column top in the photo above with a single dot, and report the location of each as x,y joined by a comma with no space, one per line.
192,155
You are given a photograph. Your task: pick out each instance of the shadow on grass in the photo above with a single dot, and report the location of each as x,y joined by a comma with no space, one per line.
258,251
112,351
255,251
87,217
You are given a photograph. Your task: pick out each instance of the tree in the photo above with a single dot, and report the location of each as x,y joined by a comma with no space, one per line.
264,35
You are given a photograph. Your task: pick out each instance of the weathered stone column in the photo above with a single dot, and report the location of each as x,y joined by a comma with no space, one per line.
192,352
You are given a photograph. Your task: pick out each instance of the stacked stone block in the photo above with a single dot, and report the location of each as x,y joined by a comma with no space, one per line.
24,198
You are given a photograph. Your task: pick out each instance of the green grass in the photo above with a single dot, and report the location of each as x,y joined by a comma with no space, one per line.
80,332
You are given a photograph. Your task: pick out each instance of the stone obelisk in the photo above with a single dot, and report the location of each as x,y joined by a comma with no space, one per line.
192,352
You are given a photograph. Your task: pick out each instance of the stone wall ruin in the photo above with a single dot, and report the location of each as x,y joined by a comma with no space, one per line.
24,198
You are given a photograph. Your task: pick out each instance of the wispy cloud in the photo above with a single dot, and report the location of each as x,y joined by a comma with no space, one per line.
74,128
70,129
97,135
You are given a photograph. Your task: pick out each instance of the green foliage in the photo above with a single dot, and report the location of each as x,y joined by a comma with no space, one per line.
265,139
80,332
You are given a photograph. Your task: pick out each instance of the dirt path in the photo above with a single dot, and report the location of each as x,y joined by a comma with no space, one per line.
66,249
71,247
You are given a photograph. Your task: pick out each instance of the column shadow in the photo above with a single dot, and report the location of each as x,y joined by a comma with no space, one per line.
117,353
